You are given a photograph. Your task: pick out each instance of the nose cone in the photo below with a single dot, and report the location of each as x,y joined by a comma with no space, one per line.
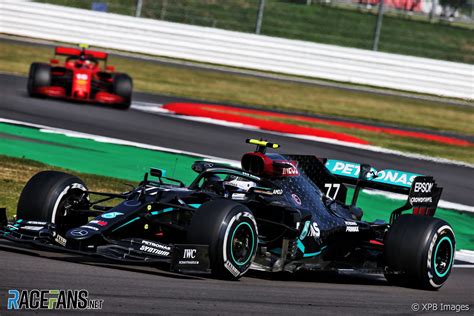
80,94
84,238
78,233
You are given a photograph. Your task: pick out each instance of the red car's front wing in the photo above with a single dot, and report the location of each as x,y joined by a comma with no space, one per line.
100,97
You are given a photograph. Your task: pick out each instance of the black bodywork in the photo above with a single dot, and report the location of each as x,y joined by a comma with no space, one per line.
299,226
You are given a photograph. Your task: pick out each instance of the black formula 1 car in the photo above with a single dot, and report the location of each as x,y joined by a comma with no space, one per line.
277,213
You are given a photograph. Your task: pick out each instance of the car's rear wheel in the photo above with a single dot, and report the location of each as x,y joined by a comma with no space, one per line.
52,196
230,230
39,76
419,252
123,86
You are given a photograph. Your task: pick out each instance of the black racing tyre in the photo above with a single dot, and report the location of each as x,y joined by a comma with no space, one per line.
123,87
39,76
49,196
230,230
419,252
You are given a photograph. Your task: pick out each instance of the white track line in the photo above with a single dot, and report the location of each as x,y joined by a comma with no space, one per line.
156,108
110,140
465,255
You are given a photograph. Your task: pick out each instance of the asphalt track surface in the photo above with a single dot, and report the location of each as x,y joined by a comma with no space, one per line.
220,141
150,291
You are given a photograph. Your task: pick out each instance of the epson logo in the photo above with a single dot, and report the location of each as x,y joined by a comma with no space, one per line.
189,254
423,187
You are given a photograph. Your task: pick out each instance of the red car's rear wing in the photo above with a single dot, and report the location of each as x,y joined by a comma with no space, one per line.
71,51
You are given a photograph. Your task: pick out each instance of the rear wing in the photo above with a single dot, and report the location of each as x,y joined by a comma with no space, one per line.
386,180
423,192
71,51
331,176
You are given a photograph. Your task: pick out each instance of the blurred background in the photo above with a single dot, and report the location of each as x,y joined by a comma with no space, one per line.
439,29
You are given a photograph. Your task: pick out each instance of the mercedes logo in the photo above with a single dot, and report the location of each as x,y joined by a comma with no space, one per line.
79,233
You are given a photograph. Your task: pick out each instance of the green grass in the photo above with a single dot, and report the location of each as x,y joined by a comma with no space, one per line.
90,156
15,172
220,87
316,23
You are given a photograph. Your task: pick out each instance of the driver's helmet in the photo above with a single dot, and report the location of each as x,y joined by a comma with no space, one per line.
238,184
214,184
80,61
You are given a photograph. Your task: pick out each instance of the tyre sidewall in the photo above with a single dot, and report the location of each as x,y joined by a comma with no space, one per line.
411,245
441,233
123,87
238,217
39,76
213,224
60,192
41,198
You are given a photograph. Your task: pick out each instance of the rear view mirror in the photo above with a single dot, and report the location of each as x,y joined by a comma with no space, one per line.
54,61
157,172
110,68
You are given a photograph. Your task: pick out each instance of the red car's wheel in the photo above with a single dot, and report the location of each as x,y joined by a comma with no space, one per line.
123,87
39,76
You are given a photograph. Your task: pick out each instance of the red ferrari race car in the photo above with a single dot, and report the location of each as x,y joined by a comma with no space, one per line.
81,77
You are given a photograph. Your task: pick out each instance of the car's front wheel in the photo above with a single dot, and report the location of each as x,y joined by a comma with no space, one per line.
123,86
230,230
39,76
53,197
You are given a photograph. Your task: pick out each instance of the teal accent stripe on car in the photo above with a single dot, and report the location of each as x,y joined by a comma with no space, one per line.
450,262
129,222
275,251
195,205
166,210
300,245
313,254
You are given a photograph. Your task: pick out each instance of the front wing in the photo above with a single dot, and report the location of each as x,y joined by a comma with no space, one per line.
182,258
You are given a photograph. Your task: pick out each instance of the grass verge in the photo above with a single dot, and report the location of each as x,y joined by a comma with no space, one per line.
265,93
15,172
